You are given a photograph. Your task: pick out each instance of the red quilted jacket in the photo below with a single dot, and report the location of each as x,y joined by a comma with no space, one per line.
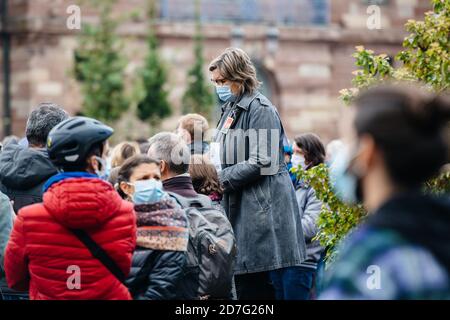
43,256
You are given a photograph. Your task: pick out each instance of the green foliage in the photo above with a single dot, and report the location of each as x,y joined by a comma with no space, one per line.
427,48
99,66
425,59
153,104
372,69
336,219
440,184
198,97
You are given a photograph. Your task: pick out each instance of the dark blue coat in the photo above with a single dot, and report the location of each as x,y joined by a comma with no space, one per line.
155,274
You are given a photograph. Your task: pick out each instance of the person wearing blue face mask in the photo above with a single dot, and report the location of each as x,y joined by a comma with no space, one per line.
398,140
162,231
81,214
259,197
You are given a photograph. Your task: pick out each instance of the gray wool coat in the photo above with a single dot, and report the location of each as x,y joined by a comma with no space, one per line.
259,197
310,207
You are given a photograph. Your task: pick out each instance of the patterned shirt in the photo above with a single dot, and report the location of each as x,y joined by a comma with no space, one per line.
381,265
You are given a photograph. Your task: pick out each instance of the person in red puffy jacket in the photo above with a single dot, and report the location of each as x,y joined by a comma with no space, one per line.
43,254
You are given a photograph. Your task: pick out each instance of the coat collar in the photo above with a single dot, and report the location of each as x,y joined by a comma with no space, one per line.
244,102
66,175
181,184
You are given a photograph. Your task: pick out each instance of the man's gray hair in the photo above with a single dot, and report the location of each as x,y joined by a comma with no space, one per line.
42,120
172,149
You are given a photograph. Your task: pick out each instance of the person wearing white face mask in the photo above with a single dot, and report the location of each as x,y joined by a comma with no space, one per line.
298,159
397,141
309,152
162,231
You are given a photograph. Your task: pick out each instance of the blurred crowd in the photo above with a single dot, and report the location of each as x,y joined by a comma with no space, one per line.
184,216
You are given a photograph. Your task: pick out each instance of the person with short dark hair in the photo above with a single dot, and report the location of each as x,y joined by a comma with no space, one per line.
41,121
398,140
54,242
311,152
24,170
308,151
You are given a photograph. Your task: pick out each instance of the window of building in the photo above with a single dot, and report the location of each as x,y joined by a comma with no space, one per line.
282,12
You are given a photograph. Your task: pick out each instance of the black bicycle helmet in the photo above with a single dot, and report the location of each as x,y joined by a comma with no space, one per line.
69,142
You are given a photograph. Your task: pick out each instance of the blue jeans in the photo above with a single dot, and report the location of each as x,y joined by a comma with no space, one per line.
293,283
319,278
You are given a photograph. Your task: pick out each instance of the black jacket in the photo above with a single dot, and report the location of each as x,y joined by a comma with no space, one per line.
421,219
23,172
155,274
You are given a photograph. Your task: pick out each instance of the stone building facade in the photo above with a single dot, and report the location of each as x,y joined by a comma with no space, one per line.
302,49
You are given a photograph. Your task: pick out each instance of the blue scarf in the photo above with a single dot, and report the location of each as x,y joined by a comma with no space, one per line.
66,175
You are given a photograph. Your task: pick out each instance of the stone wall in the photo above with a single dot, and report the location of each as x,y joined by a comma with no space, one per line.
305,73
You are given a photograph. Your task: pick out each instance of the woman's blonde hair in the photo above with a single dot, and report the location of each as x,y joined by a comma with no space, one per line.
235,65
122,152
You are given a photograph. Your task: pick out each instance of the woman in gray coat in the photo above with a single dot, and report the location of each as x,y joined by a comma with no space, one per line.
259,197
310,151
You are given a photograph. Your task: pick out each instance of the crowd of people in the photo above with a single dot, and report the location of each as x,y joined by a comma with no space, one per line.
179,216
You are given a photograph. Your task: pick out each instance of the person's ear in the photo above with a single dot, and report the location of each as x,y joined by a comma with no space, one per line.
162,167
92,164
126,188
367,153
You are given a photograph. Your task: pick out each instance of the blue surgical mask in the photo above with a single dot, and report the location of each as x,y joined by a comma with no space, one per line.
224,93
147,191
344,182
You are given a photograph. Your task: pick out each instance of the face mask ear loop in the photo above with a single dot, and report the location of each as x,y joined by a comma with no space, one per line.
100,163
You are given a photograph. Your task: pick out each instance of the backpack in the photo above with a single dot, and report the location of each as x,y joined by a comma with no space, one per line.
211,250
